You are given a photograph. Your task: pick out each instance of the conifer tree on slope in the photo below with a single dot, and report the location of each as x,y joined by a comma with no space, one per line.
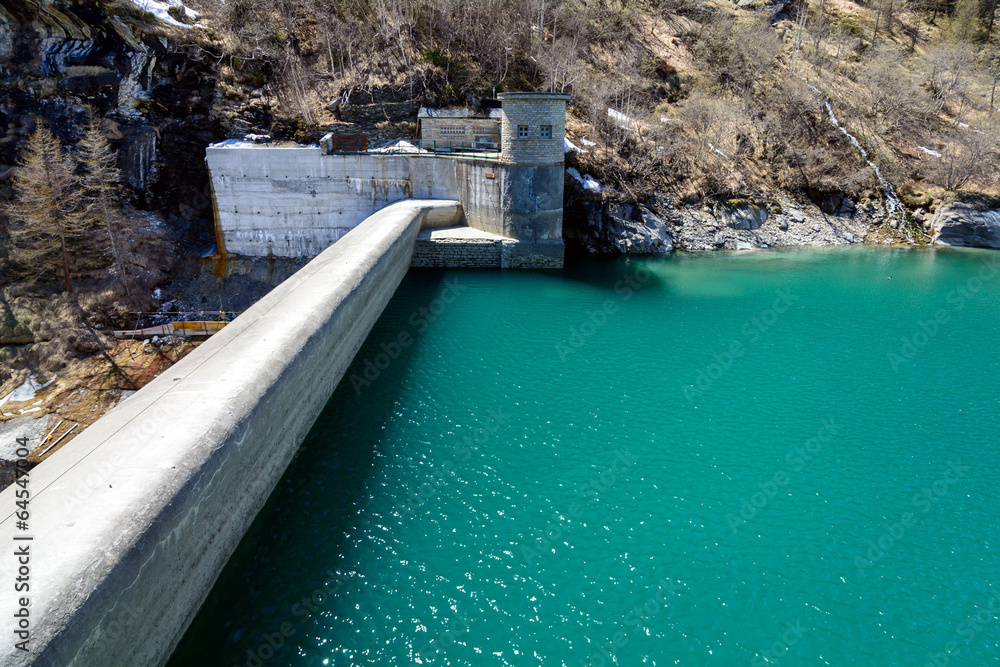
100,188
46,217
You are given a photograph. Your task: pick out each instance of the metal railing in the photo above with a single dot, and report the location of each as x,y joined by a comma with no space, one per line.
477,149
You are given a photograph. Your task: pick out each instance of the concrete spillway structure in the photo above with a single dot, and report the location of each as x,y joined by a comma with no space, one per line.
132,522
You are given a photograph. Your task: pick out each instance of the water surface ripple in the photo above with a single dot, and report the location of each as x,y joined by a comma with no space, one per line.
781,457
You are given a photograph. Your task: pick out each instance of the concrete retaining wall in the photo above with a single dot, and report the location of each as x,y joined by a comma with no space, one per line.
133,521
294,202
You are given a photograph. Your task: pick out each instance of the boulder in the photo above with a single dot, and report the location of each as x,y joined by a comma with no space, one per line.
647,236
833,203
960,224
615,228
743,216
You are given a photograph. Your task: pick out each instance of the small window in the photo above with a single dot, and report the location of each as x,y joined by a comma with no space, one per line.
452,129
522,131
546,131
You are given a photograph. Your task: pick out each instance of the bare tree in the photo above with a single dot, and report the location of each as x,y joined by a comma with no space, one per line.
47,220
885,12
948,68
100,181
971,156
739,53
888,96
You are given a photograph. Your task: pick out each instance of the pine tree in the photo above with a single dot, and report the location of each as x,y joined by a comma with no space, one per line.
46,216
100,183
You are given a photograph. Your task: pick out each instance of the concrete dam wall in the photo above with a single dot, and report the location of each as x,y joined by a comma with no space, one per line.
132,523
296,201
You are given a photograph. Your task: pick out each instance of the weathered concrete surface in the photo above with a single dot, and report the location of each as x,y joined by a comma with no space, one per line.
295,202
532,201
133,522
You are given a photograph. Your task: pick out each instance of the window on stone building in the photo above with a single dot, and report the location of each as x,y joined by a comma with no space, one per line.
546,131
452,129
522,131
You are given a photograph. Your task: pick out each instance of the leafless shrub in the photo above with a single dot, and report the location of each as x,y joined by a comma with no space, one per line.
971,156
738,53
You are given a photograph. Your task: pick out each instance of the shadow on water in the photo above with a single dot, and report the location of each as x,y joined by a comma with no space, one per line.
613,274
270,581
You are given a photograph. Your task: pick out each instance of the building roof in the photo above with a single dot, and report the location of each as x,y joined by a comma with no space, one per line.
535,96
459,112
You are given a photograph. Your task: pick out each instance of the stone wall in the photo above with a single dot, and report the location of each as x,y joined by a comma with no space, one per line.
431,131
532,110
457,253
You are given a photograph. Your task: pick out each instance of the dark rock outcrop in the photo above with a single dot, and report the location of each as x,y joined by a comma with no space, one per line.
614,228
961,224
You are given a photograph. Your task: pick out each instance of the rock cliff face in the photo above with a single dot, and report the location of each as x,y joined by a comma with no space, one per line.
961,224
661,226
62,62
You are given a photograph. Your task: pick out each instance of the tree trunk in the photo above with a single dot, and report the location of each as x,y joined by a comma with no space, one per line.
65,256
114,246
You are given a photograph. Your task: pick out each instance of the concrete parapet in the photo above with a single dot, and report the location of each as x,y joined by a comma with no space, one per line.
134,520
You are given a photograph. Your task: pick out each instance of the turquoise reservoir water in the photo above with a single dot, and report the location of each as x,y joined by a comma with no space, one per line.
715,459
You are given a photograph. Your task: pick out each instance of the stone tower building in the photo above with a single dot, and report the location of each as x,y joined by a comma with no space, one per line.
532,134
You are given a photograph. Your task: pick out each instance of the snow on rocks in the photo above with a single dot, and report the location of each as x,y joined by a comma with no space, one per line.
161,10
587,181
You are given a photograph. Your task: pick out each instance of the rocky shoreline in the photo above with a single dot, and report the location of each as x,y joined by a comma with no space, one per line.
661,226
